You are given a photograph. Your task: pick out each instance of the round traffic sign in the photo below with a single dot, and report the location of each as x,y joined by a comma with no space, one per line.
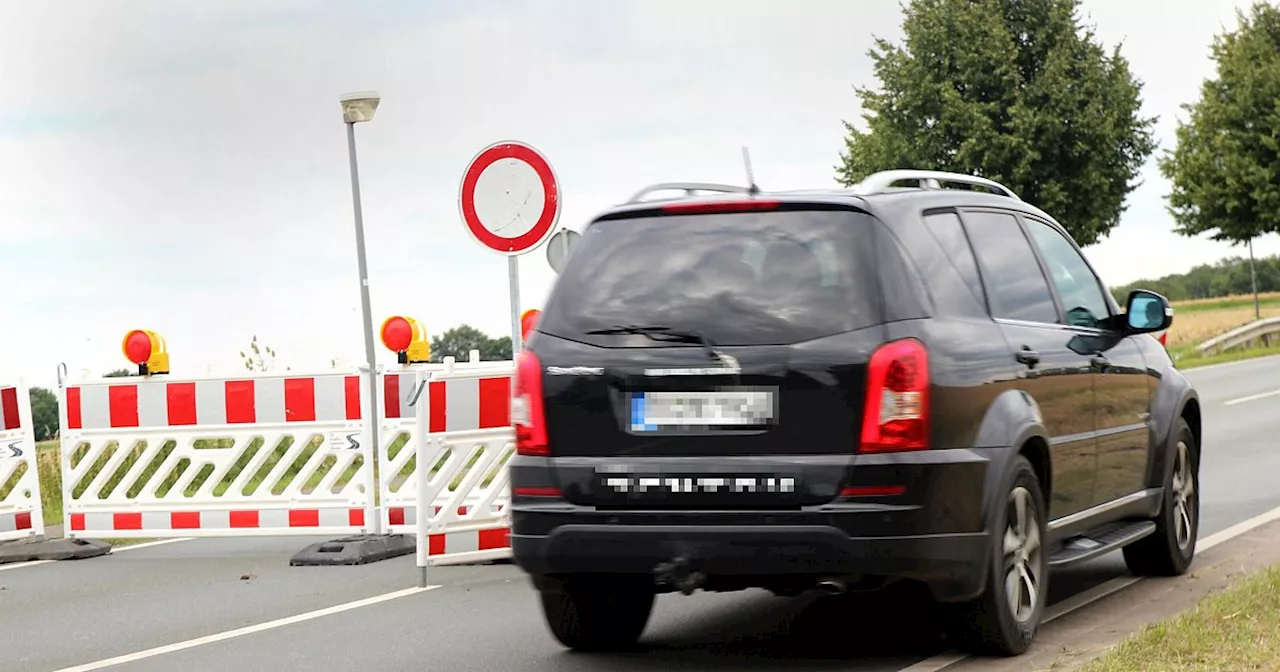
560,247
509,198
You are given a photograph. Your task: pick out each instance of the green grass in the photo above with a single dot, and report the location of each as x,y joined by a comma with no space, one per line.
48,453
1237,629
1188,358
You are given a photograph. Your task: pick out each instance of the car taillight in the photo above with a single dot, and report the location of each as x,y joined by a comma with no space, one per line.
896,413
527,416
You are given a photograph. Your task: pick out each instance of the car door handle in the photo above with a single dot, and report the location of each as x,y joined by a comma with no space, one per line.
1028,356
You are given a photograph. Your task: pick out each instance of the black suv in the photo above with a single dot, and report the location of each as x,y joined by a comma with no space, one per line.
834,390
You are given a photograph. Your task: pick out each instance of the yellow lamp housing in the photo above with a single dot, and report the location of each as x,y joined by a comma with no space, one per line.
147,350
407,338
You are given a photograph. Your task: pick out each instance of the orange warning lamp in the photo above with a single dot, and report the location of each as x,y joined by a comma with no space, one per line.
147,349
407,338
529,322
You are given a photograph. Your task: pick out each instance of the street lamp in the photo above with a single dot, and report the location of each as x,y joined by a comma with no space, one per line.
357,108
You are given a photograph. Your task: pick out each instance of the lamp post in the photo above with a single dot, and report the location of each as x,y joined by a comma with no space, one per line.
357,108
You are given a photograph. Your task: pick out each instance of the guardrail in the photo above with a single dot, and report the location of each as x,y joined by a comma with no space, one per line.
1266,331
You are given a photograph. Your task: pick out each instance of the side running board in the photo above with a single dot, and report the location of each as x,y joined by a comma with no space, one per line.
1100,542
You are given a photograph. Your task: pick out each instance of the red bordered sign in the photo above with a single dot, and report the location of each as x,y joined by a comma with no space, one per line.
509,198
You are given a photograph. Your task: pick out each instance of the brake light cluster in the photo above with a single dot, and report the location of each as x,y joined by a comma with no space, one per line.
527,416
896,413
718,207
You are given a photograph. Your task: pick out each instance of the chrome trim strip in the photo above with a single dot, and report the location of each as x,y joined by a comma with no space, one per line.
1103,508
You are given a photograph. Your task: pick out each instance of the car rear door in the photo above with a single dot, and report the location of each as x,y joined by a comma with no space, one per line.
1056,376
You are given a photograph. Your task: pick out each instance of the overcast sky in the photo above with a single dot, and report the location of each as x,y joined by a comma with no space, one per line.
182,166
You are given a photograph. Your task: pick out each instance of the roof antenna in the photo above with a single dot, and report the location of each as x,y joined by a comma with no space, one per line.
752,188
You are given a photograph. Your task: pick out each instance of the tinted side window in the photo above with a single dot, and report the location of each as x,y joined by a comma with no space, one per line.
1082,298
1013,277
947,230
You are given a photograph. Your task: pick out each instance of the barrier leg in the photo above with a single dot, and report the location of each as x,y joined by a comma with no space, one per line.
374,545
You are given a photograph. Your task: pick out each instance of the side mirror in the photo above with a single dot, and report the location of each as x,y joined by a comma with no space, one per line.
1148,312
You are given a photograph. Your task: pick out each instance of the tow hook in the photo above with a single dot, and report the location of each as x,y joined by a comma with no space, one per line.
679,575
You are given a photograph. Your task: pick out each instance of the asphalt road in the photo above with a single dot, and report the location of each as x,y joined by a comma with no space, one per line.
64,616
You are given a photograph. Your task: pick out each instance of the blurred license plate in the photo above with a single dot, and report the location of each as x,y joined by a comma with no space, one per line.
651,411
700,484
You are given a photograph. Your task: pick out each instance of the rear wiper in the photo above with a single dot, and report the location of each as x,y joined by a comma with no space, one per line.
661,333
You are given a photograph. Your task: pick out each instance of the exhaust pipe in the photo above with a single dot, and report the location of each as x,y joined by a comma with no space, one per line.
679,575
831,587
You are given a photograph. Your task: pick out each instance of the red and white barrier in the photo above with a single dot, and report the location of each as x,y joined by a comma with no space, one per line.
466,410
262,455
21,515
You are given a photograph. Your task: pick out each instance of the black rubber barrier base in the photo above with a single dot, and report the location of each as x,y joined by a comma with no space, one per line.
358,550
52,549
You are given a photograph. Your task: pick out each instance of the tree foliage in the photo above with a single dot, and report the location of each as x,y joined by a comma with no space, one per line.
1226,277
44,414
118,373
459,341
1225,169
1018,91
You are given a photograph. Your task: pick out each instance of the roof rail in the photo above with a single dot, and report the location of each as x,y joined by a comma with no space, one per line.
688,188
883,181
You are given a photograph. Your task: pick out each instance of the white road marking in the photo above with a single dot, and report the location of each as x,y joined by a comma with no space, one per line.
20,565
948,658
247,630
114,550
1252,397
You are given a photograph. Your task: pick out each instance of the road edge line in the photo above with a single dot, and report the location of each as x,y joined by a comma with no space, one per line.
1080,600
246,630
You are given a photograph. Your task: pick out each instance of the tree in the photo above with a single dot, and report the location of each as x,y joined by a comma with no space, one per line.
1013,90
1225,168
459,341
44,413
259,357
118,373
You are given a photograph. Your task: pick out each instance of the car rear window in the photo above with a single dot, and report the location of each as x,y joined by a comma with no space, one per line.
749,278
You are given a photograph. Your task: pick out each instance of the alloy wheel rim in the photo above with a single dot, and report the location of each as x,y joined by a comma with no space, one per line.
1184,490
1022,556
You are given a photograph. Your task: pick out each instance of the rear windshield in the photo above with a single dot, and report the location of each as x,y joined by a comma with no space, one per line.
758,278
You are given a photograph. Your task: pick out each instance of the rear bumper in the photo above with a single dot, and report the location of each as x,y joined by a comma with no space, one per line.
952,565
932,529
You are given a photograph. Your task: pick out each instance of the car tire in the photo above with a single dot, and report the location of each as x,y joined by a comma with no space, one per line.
992,624
1170,549
598,615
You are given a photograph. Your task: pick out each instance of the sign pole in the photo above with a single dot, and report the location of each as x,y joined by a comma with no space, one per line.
513,277
564,245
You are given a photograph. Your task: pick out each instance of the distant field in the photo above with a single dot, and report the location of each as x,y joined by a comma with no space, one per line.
1197,321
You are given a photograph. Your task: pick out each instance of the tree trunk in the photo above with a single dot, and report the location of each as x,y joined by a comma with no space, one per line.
1253,273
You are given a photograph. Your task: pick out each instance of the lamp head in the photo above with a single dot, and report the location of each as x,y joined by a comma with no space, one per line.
358,107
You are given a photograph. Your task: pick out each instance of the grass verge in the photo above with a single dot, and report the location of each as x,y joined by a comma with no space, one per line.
1235,630
1188,358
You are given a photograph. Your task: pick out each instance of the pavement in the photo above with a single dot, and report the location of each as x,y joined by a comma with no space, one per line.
217,604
